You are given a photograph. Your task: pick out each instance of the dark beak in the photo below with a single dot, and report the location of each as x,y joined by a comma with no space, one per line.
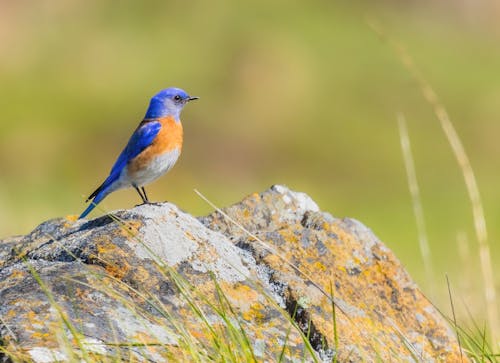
192,98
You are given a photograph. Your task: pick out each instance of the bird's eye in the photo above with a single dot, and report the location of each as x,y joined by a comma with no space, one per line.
177,98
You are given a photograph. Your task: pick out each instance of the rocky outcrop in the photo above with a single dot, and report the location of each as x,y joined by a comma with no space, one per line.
270,278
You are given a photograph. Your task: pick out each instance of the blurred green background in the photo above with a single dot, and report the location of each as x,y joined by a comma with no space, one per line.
302,93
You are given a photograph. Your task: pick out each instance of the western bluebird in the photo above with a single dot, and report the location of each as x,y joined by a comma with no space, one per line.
152,150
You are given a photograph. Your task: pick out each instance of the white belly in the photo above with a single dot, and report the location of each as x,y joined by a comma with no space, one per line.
158,166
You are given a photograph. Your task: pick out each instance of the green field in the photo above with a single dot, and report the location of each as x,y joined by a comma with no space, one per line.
298,93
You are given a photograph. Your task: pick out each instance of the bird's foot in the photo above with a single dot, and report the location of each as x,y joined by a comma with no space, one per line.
150,203
156,203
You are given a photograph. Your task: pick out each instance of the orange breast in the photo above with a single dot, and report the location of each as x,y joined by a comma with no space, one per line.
168,139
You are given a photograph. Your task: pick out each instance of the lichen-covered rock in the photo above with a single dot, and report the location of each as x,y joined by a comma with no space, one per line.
380,313
156,284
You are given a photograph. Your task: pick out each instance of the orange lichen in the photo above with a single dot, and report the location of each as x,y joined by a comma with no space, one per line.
71,218
17,274
140,274
190,236
113,258
40,335
254,313
198,334
130,229
239,292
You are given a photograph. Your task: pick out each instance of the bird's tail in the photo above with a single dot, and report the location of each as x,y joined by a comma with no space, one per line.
98,195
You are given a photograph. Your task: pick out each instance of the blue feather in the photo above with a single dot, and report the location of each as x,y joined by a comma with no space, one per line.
100,196
140,139
143,136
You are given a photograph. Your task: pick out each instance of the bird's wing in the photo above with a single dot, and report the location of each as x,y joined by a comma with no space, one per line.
142,137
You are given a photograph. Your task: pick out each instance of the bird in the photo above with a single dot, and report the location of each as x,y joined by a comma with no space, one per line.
151,151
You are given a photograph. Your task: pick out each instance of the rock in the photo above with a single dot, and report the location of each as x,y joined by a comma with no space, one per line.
155,284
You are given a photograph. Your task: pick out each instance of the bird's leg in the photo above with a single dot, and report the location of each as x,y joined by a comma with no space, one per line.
147,199
143,197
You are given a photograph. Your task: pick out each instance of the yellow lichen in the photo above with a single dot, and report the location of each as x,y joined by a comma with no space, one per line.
239,292
71,218
40,335
130,229
17,274
113,258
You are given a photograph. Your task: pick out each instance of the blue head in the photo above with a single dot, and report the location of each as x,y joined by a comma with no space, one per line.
168,102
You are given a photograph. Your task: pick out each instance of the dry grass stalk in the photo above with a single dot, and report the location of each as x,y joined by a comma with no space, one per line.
468,174
423,240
